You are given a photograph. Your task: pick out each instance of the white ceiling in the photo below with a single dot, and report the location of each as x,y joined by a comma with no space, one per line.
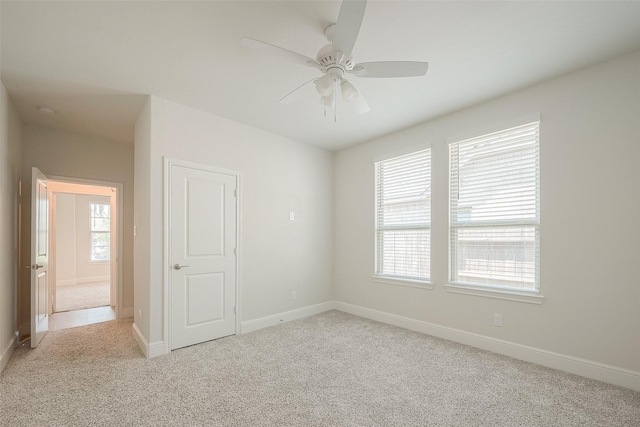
95,62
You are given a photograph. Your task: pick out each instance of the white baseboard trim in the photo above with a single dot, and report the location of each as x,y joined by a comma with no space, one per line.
583,367
125,313
65,282
287,316
7,351
154,349
94,279
141,340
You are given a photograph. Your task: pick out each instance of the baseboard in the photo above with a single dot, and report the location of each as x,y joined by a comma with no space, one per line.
66,282
94,279
125,313
7,351
141,340
583,367
287,316
154,349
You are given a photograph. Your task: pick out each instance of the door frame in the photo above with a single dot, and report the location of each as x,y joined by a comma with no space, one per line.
119,229
166,267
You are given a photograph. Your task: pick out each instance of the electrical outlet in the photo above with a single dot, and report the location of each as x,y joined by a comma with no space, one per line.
293,296
291,216
497,319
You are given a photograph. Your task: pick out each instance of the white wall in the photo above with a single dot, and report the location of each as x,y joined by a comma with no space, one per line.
77,156
65,239
10,137
278,175
73,241
141,215
590,206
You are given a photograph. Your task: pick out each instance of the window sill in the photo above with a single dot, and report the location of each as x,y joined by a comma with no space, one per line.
420,284
505,294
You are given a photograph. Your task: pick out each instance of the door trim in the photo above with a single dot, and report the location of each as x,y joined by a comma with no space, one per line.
166,268
119,228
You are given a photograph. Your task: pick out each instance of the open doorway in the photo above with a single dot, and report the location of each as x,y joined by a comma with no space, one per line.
83,253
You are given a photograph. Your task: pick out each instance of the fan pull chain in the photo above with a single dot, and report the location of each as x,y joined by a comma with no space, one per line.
335,101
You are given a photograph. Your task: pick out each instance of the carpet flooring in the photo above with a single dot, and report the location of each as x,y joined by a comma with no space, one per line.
333,369
79,297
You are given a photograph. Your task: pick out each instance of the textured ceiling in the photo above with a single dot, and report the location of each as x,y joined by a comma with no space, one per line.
95,62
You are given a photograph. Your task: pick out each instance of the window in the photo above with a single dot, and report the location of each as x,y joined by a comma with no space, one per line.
100,228
403,216
495,209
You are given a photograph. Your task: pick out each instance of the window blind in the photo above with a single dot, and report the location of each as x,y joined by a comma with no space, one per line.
495,209
100,232
403,216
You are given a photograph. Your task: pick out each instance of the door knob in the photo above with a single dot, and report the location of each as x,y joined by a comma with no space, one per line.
37,266
178,266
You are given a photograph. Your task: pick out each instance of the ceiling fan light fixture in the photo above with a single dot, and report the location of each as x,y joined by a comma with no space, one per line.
324,85
349,92
334,61
329,100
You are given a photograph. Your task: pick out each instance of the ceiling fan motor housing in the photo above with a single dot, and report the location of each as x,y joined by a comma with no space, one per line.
328,59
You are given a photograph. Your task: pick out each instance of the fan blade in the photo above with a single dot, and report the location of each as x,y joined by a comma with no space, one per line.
279,51
360,105
390,69
297,93
348,25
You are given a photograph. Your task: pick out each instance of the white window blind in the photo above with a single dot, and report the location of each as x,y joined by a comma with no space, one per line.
403,216
100,232
495,209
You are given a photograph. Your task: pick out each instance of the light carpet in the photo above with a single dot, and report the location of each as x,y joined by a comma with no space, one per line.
333,369
79,297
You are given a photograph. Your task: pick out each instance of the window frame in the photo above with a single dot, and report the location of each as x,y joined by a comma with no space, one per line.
93,232
380,276
495,290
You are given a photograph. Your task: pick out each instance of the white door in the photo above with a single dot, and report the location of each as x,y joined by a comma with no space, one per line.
39,256
202,224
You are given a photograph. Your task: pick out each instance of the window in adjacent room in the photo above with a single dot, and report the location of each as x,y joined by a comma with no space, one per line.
403,216
495,209
100,229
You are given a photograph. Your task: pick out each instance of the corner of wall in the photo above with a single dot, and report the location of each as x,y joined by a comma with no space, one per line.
7,351
10,169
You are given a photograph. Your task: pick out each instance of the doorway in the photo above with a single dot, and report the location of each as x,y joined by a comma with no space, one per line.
83,253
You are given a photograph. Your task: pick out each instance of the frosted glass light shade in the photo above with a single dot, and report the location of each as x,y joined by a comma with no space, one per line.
329,100
324,85
349,92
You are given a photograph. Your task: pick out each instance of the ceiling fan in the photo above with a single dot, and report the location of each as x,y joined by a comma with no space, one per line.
334,61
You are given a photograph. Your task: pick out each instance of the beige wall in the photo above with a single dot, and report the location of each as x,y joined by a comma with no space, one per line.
76,156
278,175
590,206
10,137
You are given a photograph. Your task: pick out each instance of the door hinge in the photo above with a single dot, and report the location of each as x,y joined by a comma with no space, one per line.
235,251
235,193
235,311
